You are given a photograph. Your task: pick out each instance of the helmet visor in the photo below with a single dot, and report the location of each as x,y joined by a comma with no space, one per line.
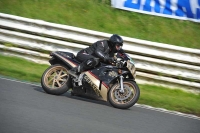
119,44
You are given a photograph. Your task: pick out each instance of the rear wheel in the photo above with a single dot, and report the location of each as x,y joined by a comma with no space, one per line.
126,99
55,80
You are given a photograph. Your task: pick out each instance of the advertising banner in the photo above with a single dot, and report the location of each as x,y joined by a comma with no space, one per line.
178,9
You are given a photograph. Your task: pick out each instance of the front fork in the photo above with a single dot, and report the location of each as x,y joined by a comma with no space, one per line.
121,84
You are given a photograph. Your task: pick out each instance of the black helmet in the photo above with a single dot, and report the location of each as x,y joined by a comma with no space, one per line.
116,40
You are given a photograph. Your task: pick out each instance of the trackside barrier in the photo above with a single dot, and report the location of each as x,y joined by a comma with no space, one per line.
156,63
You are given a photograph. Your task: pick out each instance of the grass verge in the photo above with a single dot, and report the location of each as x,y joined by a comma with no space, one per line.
21,69
155,96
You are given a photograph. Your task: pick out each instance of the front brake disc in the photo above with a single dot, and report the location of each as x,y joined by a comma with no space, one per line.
123,96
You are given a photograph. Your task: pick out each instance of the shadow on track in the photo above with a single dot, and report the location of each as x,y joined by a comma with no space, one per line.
76,97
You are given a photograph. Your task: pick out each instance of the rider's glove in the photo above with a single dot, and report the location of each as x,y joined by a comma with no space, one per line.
111,59
121,51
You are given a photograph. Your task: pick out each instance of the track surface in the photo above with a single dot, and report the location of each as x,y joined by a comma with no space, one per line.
25,108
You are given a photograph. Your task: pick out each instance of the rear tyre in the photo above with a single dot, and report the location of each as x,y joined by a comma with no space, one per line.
55,80
124,100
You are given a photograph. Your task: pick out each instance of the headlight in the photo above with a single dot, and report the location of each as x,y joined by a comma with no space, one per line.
131,68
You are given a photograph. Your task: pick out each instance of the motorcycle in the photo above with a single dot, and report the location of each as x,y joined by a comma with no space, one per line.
113,83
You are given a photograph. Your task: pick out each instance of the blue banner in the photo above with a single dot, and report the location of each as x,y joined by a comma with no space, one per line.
178,9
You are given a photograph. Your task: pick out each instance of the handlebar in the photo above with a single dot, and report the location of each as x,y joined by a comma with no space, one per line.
119,62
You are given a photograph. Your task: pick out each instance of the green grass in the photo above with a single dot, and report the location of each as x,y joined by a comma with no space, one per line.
156,96
172,99
21,69
100,16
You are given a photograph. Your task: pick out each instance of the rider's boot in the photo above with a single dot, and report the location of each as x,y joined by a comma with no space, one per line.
74,72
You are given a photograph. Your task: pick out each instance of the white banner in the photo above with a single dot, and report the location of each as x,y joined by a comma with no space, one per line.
179,9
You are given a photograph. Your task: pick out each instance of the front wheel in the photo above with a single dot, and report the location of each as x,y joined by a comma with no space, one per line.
55,80
124,100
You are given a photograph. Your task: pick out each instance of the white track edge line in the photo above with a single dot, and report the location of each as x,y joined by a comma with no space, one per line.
167,111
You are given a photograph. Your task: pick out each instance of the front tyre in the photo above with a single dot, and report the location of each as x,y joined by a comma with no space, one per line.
55,80
124,100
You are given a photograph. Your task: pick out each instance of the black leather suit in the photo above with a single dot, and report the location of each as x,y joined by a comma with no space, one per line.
90,56
99,49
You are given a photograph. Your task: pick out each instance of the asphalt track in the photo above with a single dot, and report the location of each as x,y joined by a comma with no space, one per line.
25,108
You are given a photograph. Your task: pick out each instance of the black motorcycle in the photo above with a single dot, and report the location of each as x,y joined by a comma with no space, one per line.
113,83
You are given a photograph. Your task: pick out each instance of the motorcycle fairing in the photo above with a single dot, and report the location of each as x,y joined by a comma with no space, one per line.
104,74
96,82
67,58
99,80
91,86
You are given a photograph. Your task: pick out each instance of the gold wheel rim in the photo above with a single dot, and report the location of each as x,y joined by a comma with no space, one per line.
56,77
121,98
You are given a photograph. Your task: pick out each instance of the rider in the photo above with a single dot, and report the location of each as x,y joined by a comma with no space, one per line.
102,50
